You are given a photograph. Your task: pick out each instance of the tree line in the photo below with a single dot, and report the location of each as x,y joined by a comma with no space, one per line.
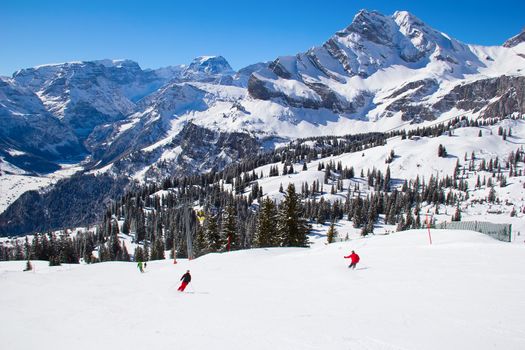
218,211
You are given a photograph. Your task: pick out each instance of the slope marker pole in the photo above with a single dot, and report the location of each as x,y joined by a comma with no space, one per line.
428,227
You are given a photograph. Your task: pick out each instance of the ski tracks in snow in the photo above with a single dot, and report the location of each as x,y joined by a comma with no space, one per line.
369,343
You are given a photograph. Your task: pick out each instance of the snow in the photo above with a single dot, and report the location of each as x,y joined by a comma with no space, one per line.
126,126
14,152
175,127
463,291
417,157
14,181
264,118
171,153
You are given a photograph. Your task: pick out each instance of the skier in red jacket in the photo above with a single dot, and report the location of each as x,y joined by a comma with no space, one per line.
354,259
186,278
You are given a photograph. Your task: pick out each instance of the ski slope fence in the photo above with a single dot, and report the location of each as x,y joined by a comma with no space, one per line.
501,232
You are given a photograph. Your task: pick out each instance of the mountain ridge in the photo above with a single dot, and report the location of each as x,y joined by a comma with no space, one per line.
378,73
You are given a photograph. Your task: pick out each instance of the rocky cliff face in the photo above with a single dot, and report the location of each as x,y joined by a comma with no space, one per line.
200,149
30,137
496,97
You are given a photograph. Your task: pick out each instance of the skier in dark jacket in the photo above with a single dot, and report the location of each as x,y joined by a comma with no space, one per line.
186,279
354,259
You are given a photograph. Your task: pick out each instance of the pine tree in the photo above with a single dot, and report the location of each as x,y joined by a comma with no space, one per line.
457,214
36,248
139,254
68,254
125,254
358,215
386,186
230,228
367,229
332,233
442,151
266,224
104,253
54,251
18,252
199,244
292,227
492,195
115,247
126,226
213,236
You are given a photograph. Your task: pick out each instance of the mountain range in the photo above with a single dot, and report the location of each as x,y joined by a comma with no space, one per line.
113,118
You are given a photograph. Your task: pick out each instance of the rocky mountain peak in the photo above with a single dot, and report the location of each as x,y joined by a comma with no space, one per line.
370,25
39,77
402,31
405,18
210,65
516,39
119,63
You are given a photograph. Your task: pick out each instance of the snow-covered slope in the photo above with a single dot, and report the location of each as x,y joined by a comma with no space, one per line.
15,181
464,291
418,158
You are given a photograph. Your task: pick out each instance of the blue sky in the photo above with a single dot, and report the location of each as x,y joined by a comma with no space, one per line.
160,33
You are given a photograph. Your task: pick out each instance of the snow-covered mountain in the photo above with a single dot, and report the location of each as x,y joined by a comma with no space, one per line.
379,73
207,68
31,138
382,66
87,94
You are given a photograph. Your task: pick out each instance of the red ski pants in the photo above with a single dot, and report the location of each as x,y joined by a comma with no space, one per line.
182,286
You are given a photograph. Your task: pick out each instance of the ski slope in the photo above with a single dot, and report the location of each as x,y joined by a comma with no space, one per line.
463,292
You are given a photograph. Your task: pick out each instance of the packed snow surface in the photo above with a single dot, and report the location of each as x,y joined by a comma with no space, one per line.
465,291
